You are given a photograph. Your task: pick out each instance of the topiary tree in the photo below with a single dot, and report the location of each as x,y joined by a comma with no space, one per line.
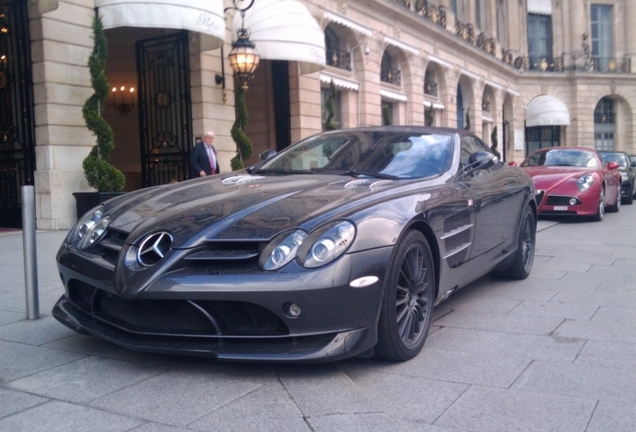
331,111
243,143
467,122
386,115
428,117
99,173
495,141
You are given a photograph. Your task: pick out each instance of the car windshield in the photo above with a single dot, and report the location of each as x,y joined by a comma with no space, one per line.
619,158
562,157
398,155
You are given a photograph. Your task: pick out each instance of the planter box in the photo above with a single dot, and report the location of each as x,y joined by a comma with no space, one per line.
84,201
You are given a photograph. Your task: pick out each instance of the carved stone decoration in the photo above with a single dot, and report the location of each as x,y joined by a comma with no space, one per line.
342,6
397,29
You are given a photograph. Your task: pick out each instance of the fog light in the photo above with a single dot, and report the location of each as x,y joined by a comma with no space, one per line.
292,310
572,201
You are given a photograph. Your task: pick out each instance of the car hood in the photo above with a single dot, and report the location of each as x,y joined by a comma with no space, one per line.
240,206
546,178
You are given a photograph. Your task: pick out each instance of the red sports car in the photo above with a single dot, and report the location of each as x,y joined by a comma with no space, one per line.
573,181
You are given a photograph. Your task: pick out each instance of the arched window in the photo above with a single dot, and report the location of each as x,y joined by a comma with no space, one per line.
460,108
387,73
604,124
335,57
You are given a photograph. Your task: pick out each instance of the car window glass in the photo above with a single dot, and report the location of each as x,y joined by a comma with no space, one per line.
569,157
619,158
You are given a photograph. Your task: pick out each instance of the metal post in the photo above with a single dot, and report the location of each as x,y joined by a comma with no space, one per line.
30,255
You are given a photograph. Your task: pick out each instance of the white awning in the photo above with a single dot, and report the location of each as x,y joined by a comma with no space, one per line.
285,30
486,119
543,7
439,61
201,16
339,81
390,94
437,105
348,22
547,111
401,45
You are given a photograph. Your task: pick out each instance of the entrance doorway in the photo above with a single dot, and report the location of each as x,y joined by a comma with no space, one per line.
17,132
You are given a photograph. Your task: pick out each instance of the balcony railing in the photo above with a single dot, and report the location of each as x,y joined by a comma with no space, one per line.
607,64
390,75
536,64
430,88
339,59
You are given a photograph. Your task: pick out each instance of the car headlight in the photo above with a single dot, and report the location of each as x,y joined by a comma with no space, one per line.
326,244
281,250
585,182
624,176
93,234
85,224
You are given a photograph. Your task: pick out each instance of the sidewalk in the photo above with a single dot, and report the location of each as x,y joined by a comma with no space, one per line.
554,352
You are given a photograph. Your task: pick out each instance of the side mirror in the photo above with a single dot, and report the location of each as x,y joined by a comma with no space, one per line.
267,154
481,160
512,163
633,164
612,166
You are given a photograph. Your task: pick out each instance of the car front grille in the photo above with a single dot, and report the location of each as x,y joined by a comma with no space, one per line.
176,317
556,200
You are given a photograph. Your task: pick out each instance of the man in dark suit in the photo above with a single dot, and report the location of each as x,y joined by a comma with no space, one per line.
203,160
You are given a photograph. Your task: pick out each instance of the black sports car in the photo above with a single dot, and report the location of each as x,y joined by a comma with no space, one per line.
338,246
627,168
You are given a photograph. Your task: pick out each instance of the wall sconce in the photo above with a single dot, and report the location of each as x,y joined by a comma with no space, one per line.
123,100
243,58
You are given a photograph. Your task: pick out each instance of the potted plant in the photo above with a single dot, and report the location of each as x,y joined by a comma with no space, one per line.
100,174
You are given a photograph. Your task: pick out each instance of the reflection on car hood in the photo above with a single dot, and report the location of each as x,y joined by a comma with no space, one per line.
237,207
548,177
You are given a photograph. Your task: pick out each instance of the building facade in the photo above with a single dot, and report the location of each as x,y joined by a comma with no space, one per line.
524,73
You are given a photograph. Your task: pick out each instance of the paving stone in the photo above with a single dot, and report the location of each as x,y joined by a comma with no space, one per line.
506,323
156,427
14,401
614,416
401,392
175,398
35,332
19,360
595,382
555,310
521,346
323,390
602,331
363,422
84,380
266,408
11,317
65,417
610,354
484,409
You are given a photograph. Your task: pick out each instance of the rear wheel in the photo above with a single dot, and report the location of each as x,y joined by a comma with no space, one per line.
524,256
407,305
600,212
630,196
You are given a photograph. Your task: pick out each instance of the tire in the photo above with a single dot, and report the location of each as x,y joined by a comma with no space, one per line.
616,207
523,258
407,304
600,209
629,199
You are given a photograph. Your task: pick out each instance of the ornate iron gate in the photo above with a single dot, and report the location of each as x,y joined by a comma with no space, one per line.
17,134
165,110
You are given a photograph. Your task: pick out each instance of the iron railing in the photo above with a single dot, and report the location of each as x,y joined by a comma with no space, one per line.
390,75
339,59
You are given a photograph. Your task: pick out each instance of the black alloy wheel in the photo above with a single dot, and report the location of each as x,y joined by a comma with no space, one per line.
408,300
523,258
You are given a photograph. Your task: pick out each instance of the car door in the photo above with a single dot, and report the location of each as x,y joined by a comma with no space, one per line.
497,198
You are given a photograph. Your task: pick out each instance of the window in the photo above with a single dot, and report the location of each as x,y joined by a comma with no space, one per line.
478,14
336,120
602,36
387,113
538,137
539,39
387,73
460,108
335,57
604,124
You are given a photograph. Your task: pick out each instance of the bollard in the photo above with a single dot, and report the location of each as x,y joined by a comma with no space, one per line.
30,253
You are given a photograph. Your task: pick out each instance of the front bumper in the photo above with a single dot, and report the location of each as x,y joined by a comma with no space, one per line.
236,316
556,203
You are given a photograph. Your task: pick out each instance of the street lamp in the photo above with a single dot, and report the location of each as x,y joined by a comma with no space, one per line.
243,58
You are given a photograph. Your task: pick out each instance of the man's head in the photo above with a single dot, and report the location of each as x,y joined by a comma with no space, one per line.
208,137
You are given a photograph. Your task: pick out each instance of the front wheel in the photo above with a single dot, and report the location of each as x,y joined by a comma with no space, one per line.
600,210
407,305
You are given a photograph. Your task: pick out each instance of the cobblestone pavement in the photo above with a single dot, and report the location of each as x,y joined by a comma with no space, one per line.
555,352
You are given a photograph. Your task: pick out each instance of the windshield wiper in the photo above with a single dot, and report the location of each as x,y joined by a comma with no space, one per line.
374,174
279,171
